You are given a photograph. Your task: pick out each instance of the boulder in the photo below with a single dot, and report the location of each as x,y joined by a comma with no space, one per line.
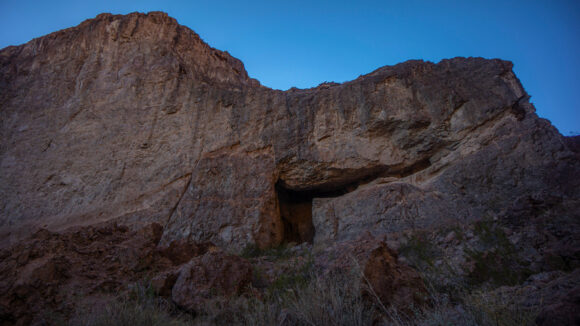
210,275
565,312
382,275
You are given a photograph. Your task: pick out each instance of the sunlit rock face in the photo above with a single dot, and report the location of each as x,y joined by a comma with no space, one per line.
135,119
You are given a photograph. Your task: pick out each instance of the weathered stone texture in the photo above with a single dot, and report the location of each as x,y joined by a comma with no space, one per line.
204,277
134,118
383,276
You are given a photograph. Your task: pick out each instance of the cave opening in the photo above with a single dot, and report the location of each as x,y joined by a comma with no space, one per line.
295,206
296,211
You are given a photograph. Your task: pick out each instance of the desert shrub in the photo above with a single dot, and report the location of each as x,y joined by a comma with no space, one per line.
469,308
303,296
494,258
420,252
251,250
332,300
491,235
276,253
138,306
313,300
497,308
242,310
294,279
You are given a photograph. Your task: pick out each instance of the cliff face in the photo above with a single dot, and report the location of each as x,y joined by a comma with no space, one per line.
131,151
135,119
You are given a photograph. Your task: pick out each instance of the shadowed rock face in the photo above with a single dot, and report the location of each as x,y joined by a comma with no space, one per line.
135,119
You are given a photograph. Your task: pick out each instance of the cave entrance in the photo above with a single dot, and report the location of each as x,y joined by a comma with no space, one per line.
296,214
296,211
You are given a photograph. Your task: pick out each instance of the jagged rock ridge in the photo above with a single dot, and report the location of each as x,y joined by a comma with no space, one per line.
135,119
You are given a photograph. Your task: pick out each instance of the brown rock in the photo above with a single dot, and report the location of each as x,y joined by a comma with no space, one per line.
181,251
163,283
39,274
230,201
566,312
554,295
135,119
210,275
393,282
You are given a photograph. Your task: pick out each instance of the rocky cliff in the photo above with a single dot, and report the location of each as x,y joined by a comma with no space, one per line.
135,120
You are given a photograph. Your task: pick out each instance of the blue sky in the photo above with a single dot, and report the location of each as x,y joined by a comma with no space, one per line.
303,43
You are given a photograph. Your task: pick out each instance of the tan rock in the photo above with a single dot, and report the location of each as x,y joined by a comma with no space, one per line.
135,119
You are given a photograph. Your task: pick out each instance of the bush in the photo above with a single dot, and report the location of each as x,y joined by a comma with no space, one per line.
138,306
494,258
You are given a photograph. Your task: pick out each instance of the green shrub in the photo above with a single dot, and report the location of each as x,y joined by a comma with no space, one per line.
494,258
420,252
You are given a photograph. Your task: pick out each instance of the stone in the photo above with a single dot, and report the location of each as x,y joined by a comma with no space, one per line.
384,276
230,201
210,275
134,119
41,272
181,251
564,312
451,236
129,147
163,283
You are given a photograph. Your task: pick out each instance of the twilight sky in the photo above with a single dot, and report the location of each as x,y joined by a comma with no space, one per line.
303,43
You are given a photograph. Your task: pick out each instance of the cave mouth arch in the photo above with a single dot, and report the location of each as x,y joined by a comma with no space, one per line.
295,207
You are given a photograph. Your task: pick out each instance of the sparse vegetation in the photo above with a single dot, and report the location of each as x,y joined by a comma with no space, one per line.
303,297
137,306
493,257
420,251
499,308
276,253
333,300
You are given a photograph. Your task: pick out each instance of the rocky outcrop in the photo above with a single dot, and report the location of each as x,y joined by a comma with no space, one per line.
384,278
132,150
135,119
42,272
563,312
210,275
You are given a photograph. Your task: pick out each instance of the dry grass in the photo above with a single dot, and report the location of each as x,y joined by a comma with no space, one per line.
331,300
138,306
306,298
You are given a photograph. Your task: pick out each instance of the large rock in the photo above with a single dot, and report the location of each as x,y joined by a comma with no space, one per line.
230,200
205,277
40,273
383,277
135,119
563,312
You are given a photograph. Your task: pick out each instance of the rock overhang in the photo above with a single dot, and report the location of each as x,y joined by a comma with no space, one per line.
218,143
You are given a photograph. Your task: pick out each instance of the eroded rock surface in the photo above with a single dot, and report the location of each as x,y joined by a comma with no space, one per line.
210,275
383,276
52,271
134,118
